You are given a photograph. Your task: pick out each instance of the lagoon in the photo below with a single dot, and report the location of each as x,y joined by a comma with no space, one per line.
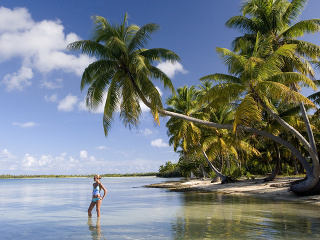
57,209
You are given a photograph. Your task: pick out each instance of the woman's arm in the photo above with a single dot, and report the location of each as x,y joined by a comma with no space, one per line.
104,190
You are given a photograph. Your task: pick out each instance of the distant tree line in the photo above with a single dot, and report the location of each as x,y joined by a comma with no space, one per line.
9,176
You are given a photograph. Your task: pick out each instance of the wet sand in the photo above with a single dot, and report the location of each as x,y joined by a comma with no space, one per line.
277,189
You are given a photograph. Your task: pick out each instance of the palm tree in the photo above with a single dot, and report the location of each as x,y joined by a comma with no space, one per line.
258,80
123,69
289,113
278,21
186,134
123,72
183,133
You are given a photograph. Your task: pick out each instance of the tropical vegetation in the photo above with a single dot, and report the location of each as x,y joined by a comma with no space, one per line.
252,120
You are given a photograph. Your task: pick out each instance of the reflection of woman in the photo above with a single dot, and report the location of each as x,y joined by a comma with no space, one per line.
96,196
95,230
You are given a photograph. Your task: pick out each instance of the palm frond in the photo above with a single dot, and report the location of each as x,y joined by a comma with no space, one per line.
235,62
142,36
222,93
302,27
130,109
247,112
305,48
244,44
242,23
276,91
294,10
156,54
288,78
101,69
111,104
88,47
158,74
315,97
220,77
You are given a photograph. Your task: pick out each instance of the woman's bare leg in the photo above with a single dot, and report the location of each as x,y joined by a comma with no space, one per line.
92,204
98,204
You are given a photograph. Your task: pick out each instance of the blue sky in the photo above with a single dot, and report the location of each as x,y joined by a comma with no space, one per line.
45,128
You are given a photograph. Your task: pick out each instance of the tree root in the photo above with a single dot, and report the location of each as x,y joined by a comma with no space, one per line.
313,191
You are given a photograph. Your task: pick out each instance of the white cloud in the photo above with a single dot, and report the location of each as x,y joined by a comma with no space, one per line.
25,125
57,83
43,162
82,105
29,161
67,104
146,132
5,154
13,20
19,80
83,154
171,68
159,143
7,161
101,147
40,45
52,98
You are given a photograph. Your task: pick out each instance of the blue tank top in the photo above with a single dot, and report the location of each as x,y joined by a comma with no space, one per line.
96,190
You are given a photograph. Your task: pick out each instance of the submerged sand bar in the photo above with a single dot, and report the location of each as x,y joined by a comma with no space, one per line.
276,190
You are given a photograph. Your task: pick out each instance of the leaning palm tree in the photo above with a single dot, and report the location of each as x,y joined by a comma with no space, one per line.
258,79
123,73
278,20
123,69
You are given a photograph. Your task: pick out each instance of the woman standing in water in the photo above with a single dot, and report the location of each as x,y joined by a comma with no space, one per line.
96,196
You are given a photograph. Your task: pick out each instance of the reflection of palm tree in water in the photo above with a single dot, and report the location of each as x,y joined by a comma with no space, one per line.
96,232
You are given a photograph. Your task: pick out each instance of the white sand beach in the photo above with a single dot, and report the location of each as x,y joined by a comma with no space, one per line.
277,189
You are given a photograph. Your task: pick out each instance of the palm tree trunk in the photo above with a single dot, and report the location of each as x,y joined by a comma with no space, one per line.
204,173
313,174
308,127
295,165
307,123
275,171
223,178
292,130
228,162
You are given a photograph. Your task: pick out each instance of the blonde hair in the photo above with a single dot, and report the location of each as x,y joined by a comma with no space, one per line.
97,176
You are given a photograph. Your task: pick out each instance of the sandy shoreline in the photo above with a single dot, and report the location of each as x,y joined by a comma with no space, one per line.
277,189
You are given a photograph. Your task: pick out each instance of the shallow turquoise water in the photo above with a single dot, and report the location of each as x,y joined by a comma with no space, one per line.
57,209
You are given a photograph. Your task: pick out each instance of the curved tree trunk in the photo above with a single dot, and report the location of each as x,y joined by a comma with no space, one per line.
275,171
308,127
312,174
296,171
204,173
224,178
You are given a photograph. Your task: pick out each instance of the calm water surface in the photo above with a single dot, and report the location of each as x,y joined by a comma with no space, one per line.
57,209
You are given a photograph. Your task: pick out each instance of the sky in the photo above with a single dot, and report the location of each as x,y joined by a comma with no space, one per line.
45,127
